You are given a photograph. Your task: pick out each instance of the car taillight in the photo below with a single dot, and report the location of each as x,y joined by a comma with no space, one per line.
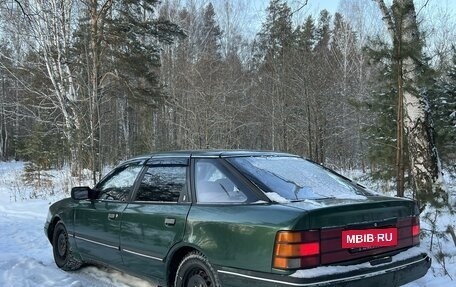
416,230
294,250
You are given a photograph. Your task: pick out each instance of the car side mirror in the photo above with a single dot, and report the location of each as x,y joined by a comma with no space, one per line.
82,193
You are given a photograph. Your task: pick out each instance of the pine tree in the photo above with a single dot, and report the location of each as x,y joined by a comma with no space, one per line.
303,89
443,109
322,75
210,35
382,131
41,151
119,75
273,55
305,36
209,95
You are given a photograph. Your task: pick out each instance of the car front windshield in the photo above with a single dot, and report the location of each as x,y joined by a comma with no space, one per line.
293,179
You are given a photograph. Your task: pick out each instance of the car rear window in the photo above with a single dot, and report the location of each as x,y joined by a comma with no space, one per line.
292,178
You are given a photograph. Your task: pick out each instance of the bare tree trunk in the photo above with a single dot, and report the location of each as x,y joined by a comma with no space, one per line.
2,122
124,123
94,106
423,155
97,17
400,184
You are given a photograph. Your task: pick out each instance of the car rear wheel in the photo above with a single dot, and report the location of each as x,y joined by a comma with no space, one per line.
63,256
196,271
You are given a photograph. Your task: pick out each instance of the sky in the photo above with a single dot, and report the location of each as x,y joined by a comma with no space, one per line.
333,5
315,6
318,5
257,11
437,18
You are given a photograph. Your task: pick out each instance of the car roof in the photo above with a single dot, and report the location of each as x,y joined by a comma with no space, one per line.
210,154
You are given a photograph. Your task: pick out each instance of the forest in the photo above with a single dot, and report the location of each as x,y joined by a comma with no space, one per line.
87,83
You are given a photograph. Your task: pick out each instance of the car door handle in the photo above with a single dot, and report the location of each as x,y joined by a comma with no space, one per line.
112,216
170,221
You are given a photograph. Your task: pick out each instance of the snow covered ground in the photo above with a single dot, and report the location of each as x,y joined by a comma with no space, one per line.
26,255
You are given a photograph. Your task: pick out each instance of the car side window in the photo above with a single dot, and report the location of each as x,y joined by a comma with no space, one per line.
213,185
163,184
120,184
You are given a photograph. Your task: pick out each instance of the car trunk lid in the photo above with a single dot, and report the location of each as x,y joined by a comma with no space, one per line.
334,218
344,212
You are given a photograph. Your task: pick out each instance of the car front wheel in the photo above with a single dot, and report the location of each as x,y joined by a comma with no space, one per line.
196,271
62,251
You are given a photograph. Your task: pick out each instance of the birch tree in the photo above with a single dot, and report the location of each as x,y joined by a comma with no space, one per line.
3,127
50,24
413,113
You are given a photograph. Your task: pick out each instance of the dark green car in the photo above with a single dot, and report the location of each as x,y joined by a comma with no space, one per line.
238,218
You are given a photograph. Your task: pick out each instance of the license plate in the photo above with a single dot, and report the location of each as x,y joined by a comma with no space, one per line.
379,237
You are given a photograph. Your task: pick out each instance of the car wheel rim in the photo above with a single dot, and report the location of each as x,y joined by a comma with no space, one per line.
198,278
62,245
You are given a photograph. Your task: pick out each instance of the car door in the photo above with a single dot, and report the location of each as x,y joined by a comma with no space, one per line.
155,219
97,222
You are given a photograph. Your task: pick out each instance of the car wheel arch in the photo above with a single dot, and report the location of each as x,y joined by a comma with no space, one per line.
50,231
175,256
62,250
196,270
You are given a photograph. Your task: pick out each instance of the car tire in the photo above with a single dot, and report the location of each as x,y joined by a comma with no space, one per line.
61,248
195,270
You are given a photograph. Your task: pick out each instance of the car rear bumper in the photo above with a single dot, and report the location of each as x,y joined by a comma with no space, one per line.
397,273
